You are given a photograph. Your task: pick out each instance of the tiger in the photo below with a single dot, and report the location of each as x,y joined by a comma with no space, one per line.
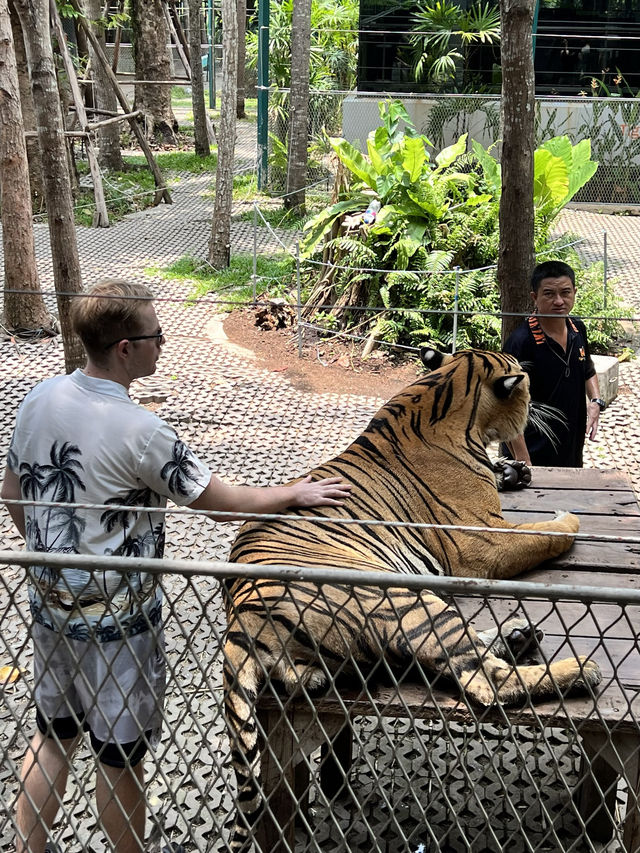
422,458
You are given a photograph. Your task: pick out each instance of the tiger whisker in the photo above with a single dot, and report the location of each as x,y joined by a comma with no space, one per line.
540,415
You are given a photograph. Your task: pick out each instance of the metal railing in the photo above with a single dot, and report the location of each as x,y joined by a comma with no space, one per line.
381,757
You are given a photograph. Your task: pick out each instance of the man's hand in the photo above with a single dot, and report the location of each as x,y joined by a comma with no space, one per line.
593,416
328,492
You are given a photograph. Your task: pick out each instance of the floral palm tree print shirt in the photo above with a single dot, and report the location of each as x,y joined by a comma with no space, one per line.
81,440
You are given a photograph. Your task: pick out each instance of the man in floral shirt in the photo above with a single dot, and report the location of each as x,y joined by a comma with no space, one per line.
97,636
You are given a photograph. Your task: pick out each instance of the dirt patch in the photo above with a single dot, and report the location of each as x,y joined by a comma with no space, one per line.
328,365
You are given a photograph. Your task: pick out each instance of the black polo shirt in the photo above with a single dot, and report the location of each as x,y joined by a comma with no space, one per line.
557,378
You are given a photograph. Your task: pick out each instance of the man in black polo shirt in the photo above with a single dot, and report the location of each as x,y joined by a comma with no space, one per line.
553,348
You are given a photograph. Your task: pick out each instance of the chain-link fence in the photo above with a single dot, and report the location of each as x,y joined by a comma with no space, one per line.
612,125
371,752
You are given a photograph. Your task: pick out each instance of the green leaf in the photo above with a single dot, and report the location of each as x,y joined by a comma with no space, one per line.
381,140
447,156
416,228
414,157
550,179
428,205
405,248
490,167
390,215
321,224
560,146
438,260
378,162
577,159
354,161
385,185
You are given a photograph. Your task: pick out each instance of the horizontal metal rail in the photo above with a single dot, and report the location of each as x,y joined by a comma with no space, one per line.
221,570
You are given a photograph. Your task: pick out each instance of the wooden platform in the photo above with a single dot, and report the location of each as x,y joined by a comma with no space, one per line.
607,632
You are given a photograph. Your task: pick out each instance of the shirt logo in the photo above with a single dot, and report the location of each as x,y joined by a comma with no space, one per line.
581,354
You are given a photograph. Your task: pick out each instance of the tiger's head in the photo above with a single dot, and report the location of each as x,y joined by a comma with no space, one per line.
488,390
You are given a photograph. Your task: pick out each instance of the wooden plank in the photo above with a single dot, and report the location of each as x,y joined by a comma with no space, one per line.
616,708
609,525
597,501
162,193
600,623
580,478
605,557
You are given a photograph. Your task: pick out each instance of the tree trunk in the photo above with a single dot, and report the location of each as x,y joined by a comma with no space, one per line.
516,253
24,307
220,239
34,18
109,152
153,62
299,112
201,137
242,57
28,112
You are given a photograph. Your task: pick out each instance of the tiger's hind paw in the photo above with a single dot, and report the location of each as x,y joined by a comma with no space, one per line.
568,521
590,675
512,640
510,474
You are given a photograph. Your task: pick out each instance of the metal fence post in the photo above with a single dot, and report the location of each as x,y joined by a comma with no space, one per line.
299,297
455,310
211,56
263,93
605,270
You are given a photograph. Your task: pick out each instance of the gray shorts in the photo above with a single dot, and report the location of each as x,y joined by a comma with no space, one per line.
115,690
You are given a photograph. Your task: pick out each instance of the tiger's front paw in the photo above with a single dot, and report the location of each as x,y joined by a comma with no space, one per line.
515,638
511,474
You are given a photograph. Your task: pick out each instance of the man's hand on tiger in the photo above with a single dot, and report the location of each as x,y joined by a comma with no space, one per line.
331,491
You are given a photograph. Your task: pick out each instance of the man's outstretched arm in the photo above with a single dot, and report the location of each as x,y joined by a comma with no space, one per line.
11,491
221,497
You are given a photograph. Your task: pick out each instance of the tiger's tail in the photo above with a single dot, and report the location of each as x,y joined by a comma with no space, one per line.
242,679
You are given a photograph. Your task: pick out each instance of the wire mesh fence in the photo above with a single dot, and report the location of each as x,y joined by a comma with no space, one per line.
358,747
612,125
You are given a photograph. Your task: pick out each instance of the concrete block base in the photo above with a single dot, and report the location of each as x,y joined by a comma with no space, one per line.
607,368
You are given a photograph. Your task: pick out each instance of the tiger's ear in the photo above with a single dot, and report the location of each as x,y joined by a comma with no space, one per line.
431,358
504,386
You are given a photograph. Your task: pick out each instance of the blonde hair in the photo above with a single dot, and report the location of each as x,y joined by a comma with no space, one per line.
108,312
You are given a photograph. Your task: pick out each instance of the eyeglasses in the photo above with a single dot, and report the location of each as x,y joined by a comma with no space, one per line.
156,337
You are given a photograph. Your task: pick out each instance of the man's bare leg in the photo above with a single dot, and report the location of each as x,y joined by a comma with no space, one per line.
44,778
121,805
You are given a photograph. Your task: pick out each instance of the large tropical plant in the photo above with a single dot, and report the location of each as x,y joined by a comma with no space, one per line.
435,237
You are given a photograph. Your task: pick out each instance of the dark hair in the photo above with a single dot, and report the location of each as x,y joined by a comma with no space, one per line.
551,269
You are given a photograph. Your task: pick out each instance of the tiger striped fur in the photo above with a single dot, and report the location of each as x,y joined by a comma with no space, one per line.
422,458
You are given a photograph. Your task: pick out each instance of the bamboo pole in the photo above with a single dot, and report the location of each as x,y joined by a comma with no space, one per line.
71,133
101,215
174,37
162,193
176,20
118,39
114,119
